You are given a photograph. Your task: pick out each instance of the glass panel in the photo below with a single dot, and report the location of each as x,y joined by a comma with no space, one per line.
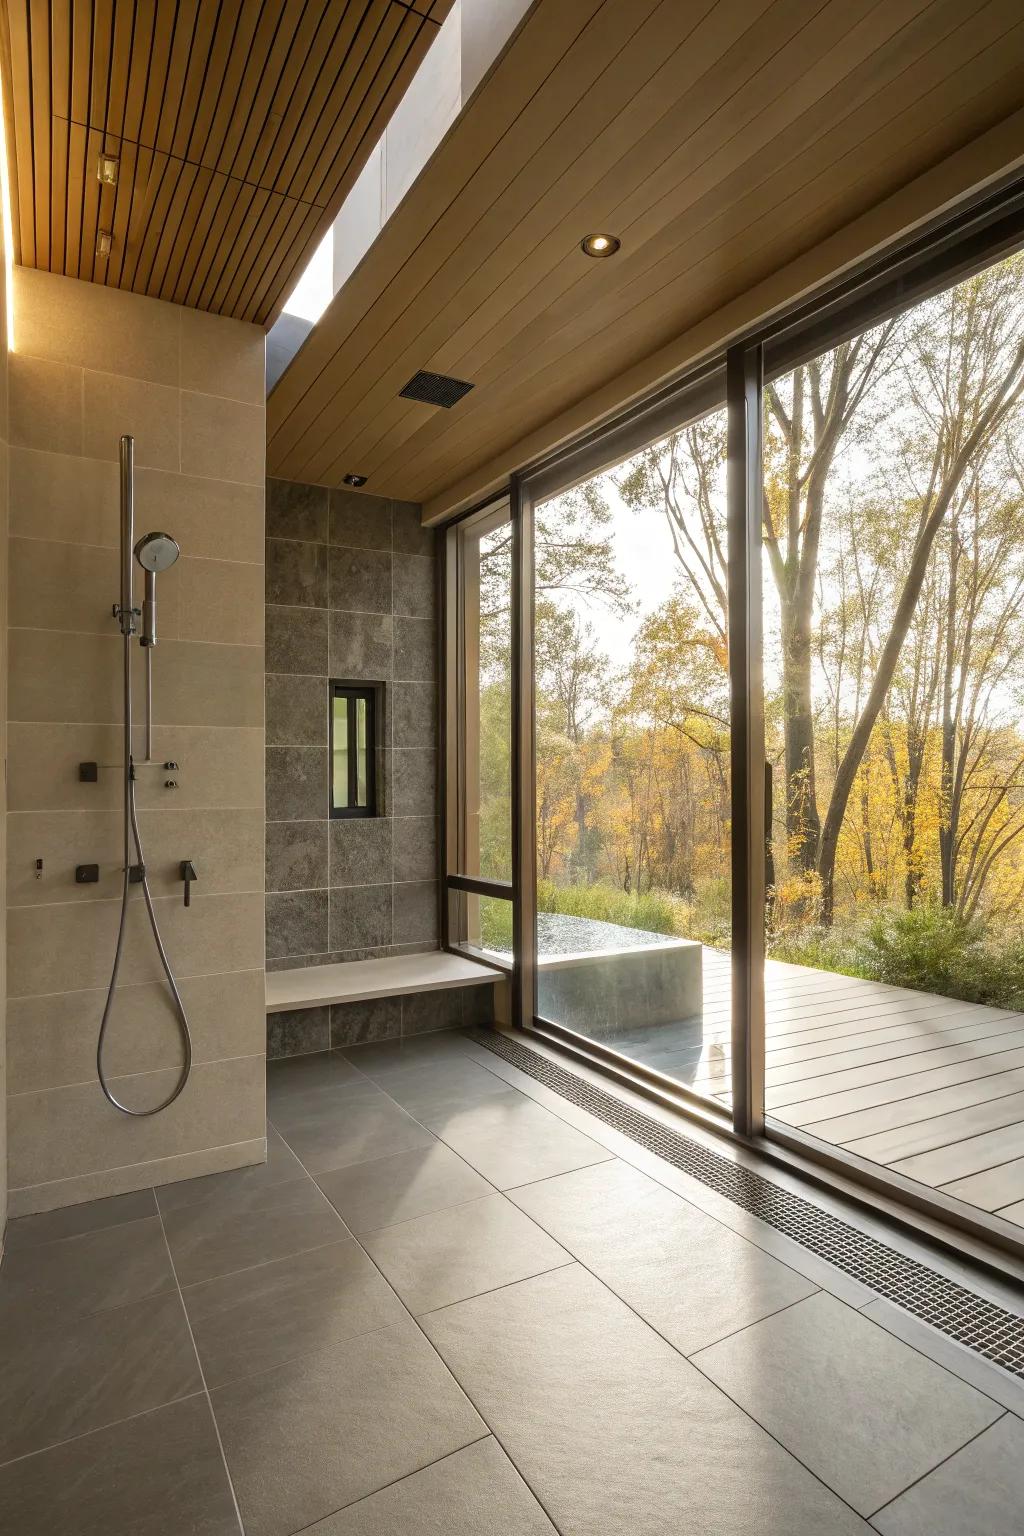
362,750
633,818
486,727
485,923
894,702
339,705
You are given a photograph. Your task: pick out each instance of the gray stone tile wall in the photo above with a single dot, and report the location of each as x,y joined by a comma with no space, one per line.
351,595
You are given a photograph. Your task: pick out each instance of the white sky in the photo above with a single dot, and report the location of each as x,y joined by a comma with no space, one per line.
315,288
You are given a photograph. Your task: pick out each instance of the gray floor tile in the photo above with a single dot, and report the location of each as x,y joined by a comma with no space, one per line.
475,1490
159,1474
390,1189
977,1492
307,1438
281,1166
68,1377
298,1074
434,1092
259,1318
299,1107
385,1056
449,1255
216,1238
348,1128
511,1141
73,1220
614,1431
77,1275
997,1384
688,1276
865,1412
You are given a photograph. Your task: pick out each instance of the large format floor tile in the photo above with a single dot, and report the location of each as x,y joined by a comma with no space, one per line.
258,1318
449,1255
475,1490
612,1429
511,1141
280,1167
685,1273
330,1130
432,1093
312,1436
157,1474
379,1059
397,1188
977,1492
215,1237
77,1275
863,1410
69,1376
298,1074
74,1220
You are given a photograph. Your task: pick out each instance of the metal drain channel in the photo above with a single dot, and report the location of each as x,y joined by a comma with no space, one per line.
971,1320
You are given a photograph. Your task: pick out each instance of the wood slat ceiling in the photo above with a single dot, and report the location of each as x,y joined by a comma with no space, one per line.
719,141
239,125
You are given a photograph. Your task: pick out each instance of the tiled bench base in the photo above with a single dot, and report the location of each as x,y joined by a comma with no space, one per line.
301,1031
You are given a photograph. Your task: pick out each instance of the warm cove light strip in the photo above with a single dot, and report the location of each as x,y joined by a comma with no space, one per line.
7,220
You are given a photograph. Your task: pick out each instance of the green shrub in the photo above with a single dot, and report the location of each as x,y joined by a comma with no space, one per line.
928,949
653,911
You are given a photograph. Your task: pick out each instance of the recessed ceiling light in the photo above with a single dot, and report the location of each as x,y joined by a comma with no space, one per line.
354,480
104,240
106,170
600,245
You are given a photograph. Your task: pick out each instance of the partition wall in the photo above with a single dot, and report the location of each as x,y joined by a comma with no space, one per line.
734,732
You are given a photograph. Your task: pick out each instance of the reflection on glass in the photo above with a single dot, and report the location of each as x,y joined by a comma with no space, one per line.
894,703
487,700
633,815
362,755
341,747
485,923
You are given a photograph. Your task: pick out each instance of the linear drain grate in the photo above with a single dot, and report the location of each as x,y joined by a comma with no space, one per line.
969,1319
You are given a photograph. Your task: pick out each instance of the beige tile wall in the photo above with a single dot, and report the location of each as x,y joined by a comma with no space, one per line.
3,738
89,364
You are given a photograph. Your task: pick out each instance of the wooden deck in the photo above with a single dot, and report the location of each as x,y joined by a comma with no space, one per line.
925,1085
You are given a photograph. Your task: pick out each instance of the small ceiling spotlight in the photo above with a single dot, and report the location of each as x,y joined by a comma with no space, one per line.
104,240
600,245
354,480
106,170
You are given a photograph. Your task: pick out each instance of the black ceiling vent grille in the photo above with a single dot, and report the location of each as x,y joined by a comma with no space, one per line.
435,389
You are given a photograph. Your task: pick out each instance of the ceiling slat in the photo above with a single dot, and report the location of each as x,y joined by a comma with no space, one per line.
246,123
721,143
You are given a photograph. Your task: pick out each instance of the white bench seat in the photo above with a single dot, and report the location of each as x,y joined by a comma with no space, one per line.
314,986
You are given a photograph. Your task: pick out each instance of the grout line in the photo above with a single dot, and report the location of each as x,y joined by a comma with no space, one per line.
444,1364
938,1464
100,1428
127,1077
202,1374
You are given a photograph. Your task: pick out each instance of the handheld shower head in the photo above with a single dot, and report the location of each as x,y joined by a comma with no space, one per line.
156,552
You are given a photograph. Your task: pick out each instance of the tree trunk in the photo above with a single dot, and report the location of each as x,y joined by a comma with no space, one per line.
803,823
989,419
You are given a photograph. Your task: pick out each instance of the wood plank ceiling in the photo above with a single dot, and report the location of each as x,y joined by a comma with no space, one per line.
719,141
239,127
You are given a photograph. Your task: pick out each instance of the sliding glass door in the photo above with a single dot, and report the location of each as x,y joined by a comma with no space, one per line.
479,734
736,733
632,804
893,473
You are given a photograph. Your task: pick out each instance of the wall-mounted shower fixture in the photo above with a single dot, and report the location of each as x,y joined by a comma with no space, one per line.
155,552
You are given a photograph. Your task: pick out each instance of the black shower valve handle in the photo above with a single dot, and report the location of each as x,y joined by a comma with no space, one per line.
188,874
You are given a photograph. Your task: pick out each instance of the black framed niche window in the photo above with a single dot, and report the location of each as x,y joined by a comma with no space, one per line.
355,710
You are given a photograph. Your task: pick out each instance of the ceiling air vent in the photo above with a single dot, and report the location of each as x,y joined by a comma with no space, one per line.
435,389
